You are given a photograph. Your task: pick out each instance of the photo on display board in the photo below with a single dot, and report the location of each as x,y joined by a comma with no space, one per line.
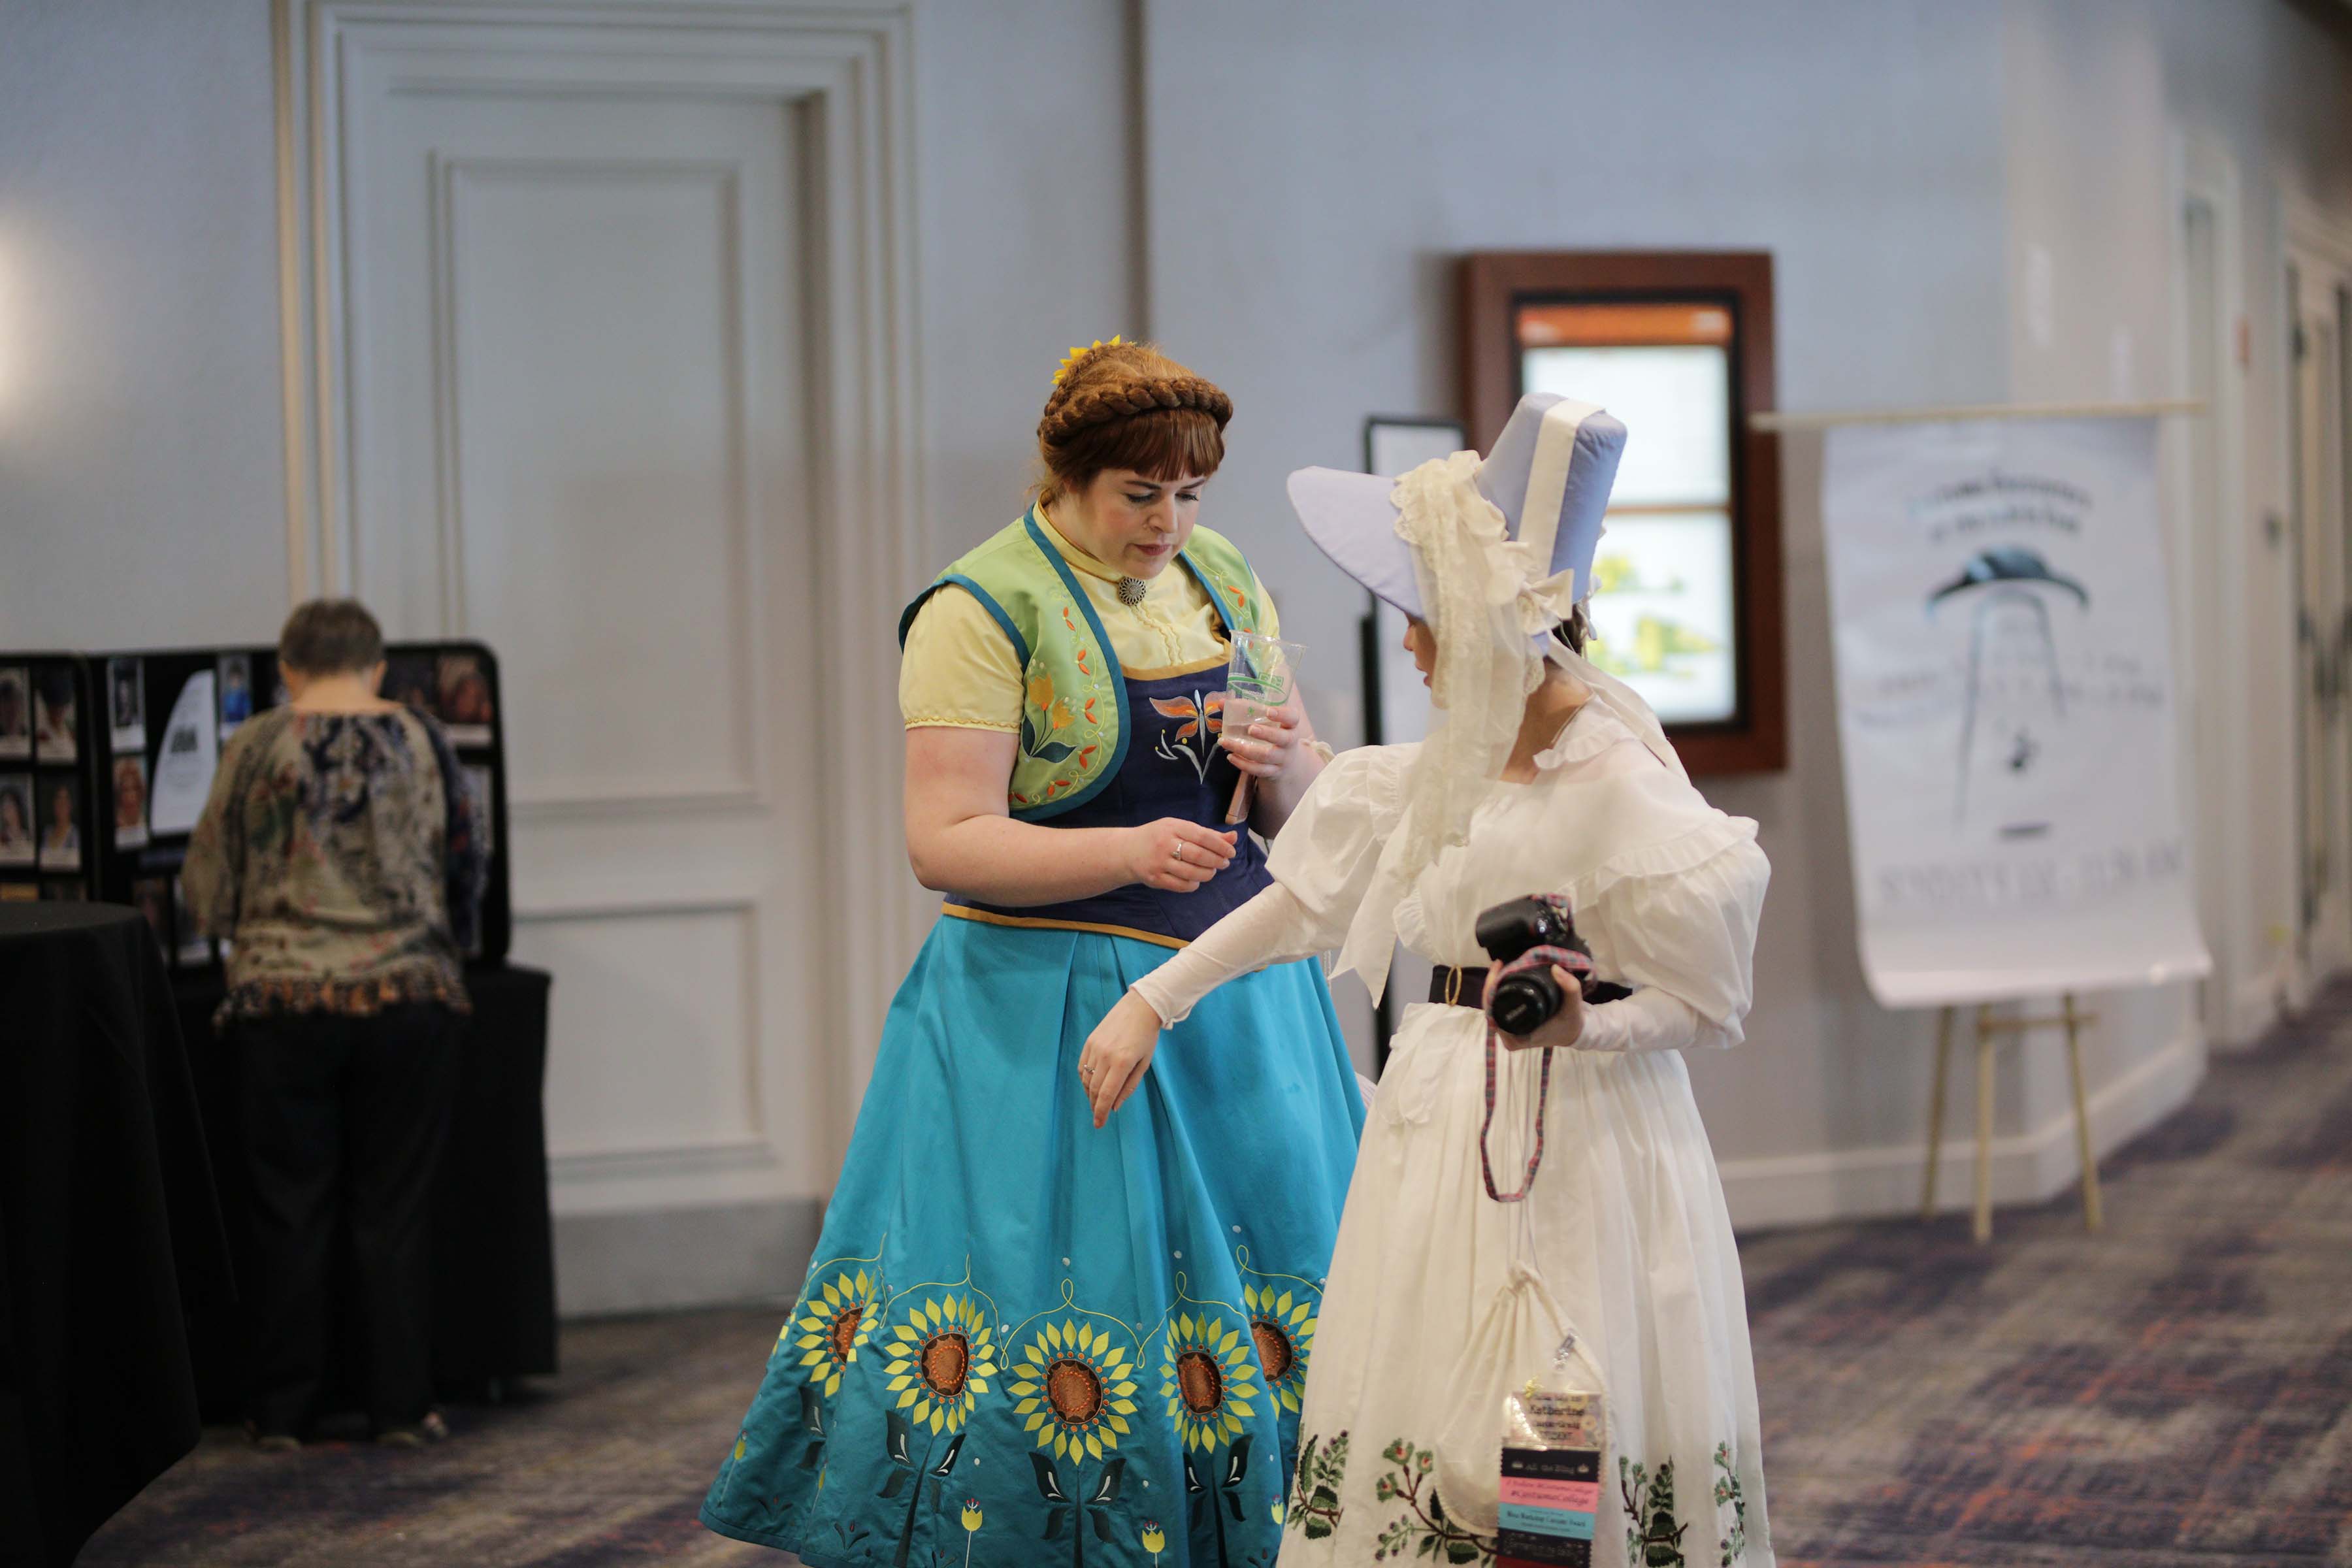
57,727
462,692
130,802
16,712
18,892
17,835
478,780
126,687
152,896
68,892
57,810
193,946
235,672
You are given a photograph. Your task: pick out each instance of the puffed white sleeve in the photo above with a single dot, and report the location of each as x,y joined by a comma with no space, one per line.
1678,923
1321,864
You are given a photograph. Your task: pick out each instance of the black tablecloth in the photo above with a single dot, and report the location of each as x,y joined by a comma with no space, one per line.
493,1253
108,1225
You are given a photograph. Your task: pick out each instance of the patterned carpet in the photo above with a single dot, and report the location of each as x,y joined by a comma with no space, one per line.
2174,1391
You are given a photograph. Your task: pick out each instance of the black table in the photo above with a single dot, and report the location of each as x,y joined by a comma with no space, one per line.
493,1251
108,1225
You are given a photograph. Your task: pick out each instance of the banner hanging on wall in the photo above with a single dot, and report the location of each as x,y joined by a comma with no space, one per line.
2004,685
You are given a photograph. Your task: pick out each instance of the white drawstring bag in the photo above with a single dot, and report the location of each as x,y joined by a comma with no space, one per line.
1513,1344
1523,1349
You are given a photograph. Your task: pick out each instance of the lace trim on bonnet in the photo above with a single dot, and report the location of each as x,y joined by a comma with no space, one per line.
1493,608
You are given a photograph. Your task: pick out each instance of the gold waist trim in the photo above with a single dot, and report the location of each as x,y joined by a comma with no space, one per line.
1032,922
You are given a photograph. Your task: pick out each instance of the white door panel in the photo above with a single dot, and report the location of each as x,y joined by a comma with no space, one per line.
578,360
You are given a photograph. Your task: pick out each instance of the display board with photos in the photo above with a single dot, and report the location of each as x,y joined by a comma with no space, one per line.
120,751
47,768
1686,597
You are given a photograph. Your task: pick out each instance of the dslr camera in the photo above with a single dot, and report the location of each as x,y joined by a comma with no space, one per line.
1527,937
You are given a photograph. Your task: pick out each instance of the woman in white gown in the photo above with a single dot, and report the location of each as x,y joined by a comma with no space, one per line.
1546,776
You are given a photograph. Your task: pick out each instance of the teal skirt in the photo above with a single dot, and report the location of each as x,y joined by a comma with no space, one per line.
1026,1341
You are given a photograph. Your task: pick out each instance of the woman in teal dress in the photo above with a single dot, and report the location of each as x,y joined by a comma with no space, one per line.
1036,1331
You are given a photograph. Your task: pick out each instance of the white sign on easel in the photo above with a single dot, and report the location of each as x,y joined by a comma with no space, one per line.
2004,683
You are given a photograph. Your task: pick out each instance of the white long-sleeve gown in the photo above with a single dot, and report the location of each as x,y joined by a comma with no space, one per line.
1627,1217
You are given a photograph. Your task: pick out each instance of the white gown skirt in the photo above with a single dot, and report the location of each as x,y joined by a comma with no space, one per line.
1628,1228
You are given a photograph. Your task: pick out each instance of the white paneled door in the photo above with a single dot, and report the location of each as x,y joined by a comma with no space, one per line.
583,295
2318,290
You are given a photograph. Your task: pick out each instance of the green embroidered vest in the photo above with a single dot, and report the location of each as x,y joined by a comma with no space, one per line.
1073,720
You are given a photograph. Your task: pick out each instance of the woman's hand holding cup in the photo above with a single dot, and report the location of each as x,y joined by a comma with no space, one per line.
1263,741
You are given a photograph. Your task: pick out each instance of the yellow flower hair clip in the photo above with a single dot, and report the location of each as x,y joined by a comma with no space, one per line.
1077,353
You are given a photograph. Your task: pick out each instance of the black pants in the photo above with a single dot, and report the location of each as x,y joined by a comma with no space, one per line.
344,1119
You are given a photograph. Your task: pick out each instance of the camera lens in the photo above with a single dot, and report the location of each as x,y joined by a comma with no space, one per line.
1524,1003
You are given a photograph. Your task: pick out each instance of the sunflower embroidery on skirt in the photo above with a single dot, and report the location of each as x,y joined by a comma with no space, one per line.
942,1353
827,1327
1207,1368
836,1321
1282,1326
1075,1380
942,1358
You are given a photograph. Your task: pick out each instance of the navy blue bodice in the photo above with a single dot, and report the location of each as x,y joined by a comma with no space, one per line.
1174,767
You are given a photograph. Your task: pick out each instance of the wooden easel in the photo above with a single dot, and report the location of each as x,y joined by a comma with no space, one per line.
1990,1030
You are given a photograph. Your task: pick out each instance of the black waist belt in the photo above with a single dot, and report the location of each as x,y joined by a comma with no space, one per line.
1467,987
1452,988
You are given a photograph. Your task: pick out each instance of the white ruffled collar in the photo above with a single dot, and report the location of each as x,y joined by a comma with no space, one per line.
1591,729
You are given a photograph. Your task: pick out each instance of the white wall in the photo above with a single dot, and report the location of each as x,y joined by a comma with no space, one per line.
1021,121
142,481
1309,186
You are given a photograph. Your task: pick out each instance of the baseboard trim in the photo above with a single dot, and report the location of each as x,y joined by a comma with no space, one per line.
2254,1009
2027,1167
659,1259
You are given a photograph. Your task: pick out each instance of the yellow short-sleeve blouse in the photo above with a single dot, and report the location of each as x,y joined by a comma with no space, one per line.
958,670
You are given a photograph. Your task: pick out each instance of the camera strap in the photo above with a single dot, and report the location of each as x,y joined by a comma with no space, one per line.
1575,963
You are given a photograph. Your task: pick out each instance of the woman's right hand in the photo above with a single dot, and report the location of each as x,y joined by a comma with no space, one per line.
1176,856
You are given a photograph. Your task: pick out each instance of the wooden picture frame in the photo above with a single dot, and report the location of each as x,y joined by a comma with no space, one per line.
1497,290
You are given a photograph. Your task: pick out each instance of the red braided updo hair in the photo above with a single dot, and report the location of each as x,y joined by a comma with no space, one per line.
1128,405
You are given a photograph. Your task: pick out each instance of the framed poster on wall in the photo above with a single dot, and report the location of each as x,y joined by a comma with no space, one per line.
1686,596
